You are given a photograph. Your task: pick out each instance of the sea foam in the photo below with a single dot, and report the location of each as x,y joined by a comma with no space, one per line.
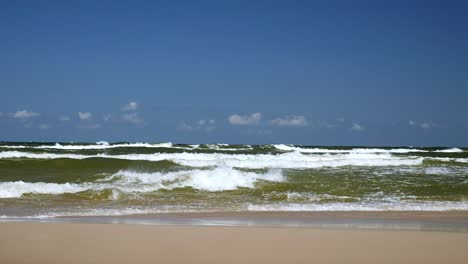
18,188
217,179
252,161
213,180
451,150
284,147
364,206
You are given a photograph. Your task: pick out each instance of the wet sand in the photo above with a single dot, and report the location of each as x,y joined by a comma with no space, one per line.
402,220
32,242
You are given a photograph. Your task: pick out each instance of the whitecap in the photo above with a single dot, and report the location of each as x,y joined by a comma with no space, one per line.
251,161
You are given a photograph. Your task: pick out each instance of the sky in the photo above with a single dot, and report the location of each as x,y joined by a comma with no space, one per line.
251,72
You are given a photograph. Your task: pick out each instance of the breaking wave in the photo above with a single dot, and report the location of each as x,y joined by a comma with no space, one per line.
284,147
98,145
217,179
18,188
451,150
251,161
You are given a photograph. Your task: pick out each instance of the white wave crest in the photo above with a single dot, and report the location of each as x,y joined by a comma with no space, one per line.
18,154
217,179
285,160
451,150
106,145
98,145
284,147
460,160
251,161
17,189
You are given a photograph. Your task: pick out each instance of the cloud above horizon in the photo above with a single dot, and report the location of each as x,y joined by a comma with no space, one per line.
290,121
131,106
243,120
24,114
84,115
64,118
424,125
357,127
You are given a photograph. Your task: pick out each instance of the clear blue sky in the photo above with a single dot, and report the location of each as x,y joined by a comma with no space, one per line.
360,73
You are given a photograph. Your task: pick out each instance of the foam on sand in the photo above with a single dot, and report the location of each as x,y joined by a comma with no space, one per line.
364,206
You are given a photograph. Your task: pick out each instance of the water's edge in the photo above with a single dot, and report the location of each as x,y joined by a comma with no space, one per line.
451,221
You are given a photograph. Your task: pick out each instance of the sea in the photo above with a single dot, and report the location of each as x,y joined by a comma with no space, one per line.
47,180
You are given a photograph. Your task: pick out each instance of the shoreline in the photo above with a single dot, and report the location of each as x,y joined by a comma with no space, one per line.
103,243
455,221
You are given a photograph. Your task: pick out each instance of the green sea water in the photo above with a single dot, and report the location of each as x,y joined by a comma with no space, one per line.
67,179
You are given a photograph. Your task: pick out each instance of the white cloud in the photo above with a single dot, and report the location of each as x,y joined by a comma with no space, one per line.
84,116
412,123
24,114
44,126
357,127
251,119
290,121
132,106
132,118
64,118
204,122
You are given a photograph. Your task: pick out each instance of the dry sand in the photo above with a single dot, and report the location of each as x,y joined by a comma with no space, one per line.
119,243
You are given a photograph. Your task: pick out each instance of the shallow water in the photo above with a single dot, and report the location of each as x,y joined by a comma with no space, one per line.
96,179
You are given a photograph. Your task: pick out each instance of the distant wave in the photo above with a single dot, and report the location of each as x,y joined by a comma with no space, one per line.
98,145
106,145
460,160
451,150
284,147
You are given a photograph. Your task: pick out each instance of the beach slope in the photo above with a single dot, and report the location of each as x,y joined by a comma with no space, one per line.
119,243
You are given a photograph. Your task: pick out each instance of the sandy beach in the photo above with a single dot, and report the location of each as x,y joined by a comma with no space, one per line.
32,242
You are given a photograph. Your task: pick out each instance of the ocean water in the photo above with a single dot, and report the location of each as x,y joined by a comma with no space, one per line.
97,179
